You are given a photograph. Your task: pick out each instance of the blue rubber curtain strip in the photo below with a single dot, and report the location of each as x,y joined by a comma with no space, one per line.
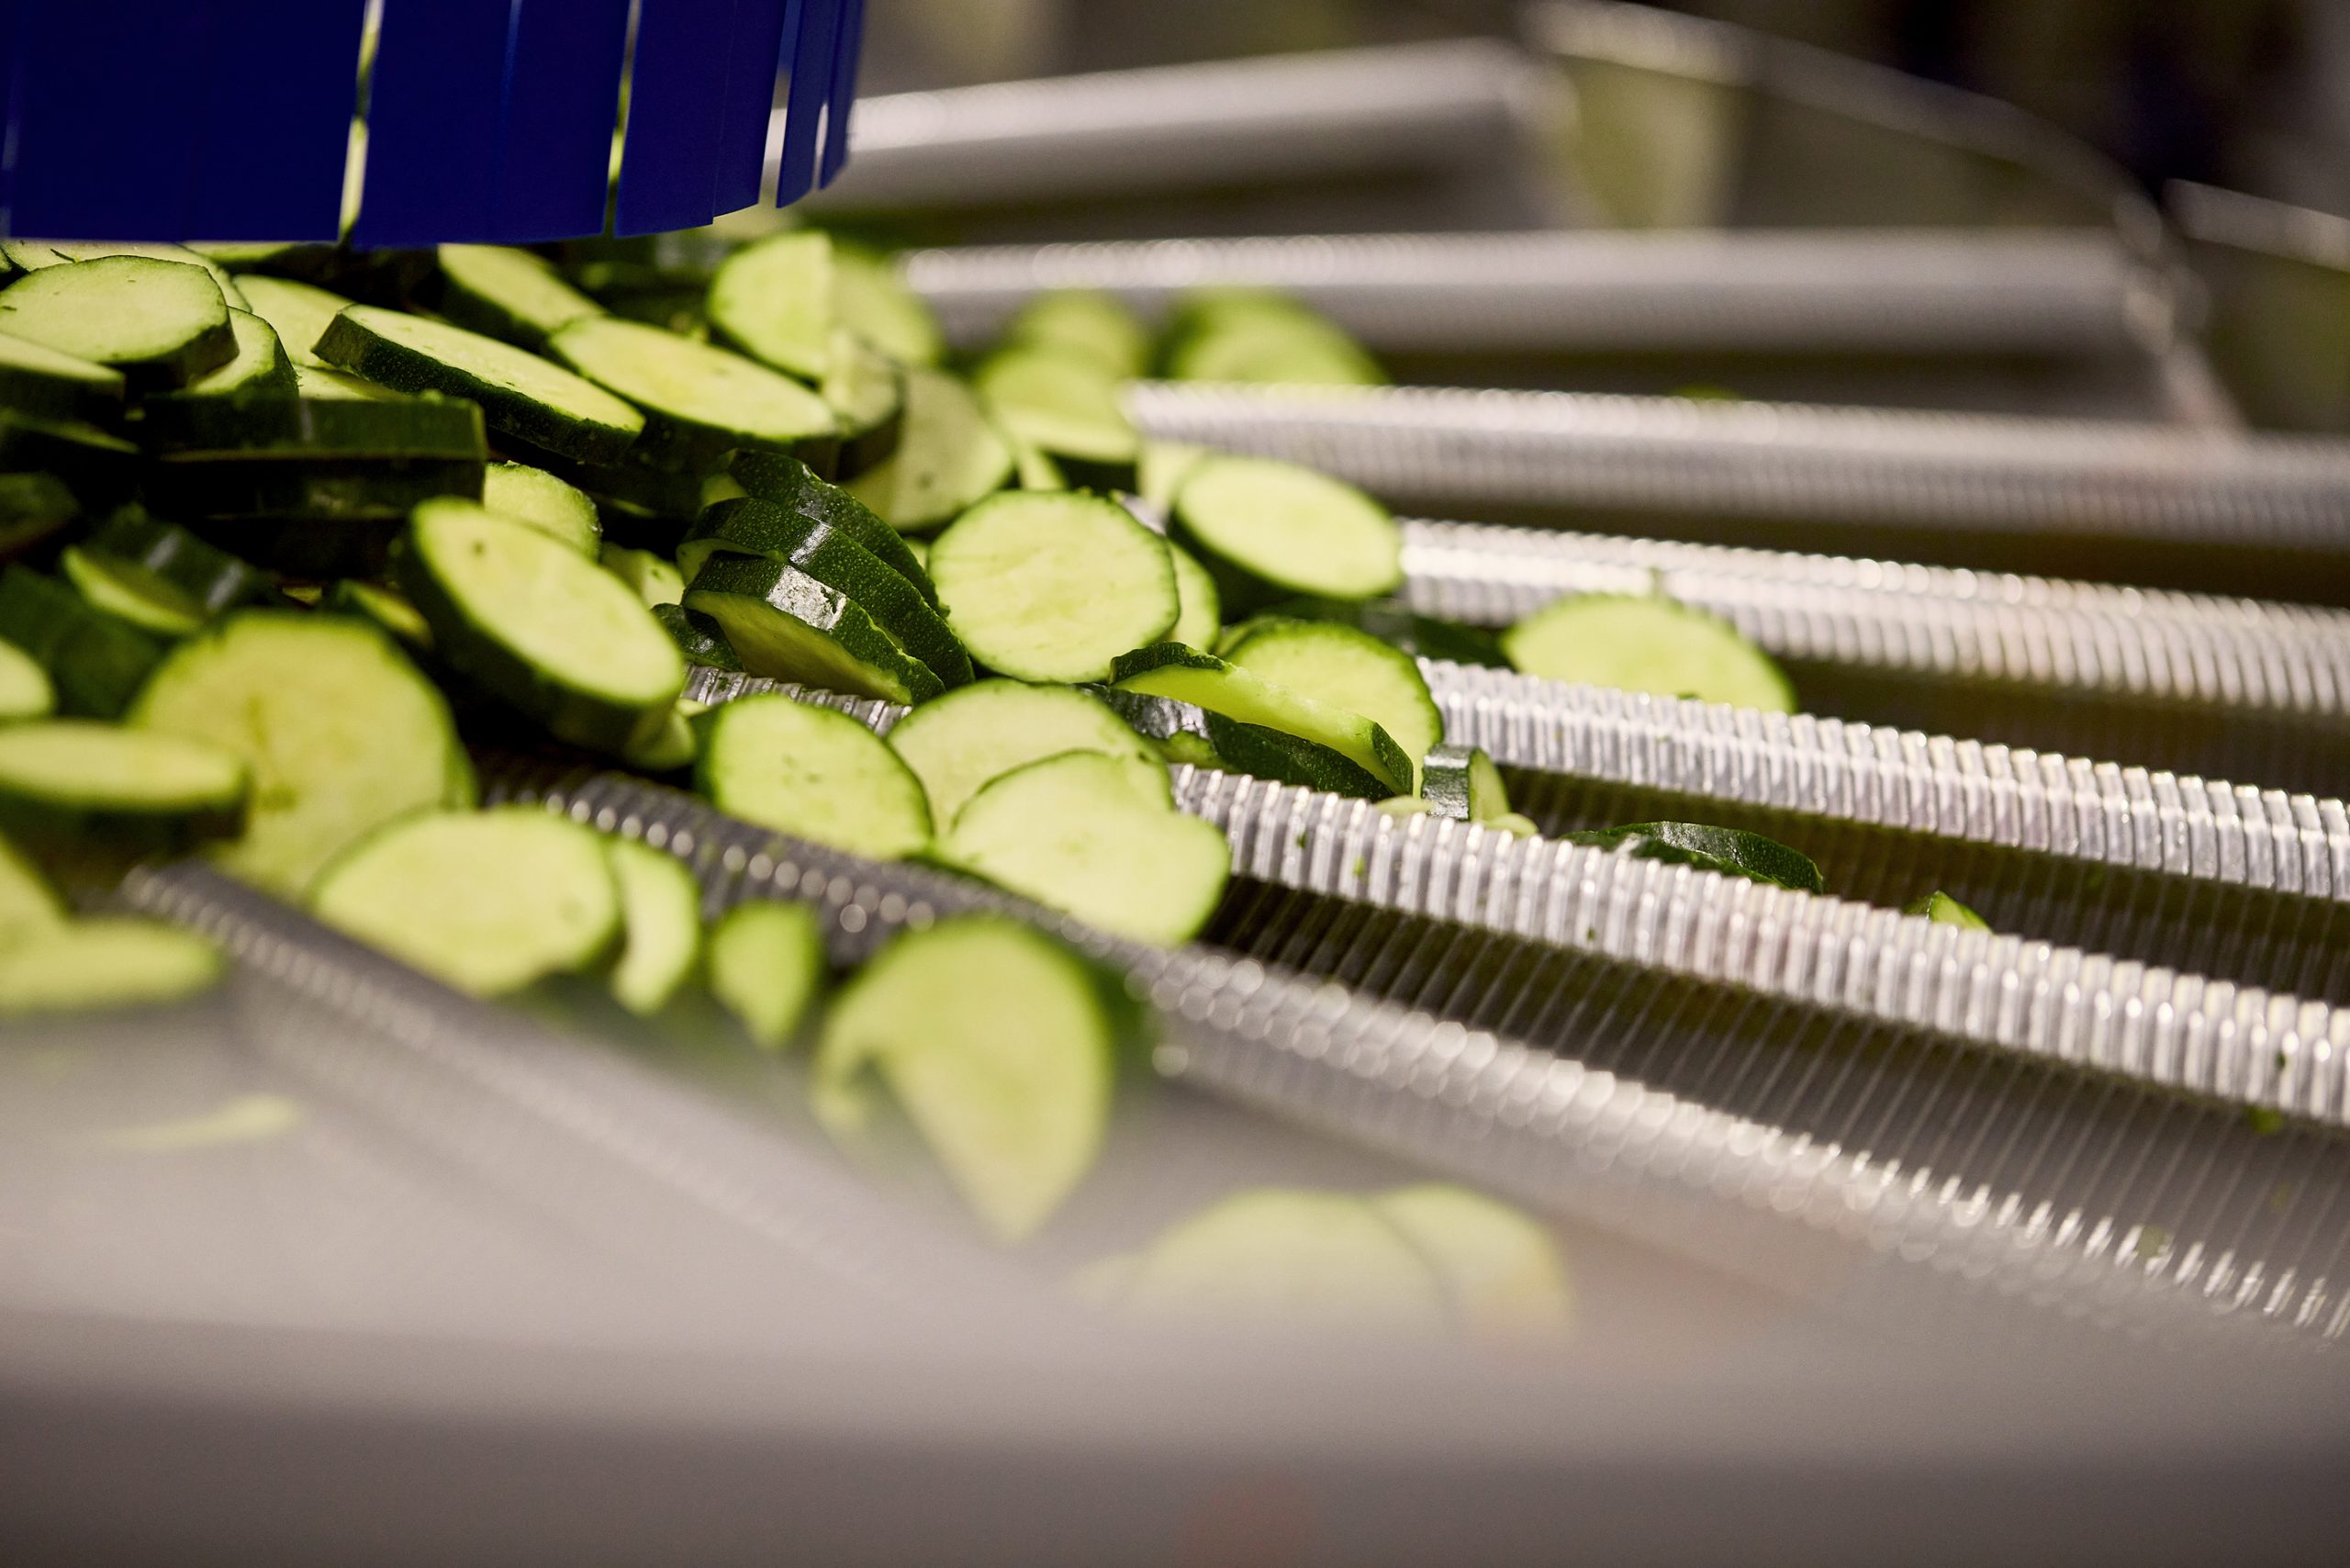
811,78
270,138
562,95
435,105
848,44
676,116
751,70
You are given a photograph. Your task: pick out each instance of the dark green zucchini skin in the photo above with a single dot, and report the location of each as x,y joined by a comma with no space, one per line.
733,588
28,392
1209,740
302,515
99,467
96,661
429,426
349,345
788,483
212,579
52,822
1422,636
1730,851
34,509
697,637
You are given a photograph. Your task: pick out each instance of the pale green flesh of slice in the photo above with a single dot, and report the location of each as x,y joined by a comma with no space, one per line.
948,456
1049,586
257,352
78,761
1291,526
137,597
27,903
1064,405
777,645
661,912
1351,670
1281,1258
776,299
873,301
25,689
692,381
1499,1267
958,741
30,355
297,312
114,316
766,962
501,366
546,503
518,283
816,774
104,963
1202,607
1647,644
1236,694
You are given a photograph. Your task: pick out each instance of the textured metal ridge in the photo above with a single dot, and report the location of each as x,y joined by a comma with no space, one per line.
1972,292
2235,653
1990,473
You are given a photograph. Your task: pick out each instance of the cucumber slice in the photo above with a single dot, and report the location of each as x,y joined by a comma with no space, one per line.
813,773
1345,668
97,662
521,395
318,381
784,624
792,484
1273,349
76,779
1647,644
965,738
50,384
340,732
673,748
1499,1268
32,255
767,966
1186,734
871,299
84,964
773,300
205,580
1032,468
484,902
1085,323
33,506
1000,1046
1945,909
314,518
948,456
507,294
258,369
748,527
1170,669
385,608
1202,613
147,604
1422,636
1730,851
1162,469
163,324
26,691
699,402
29,905
97,467
1281,1258
1268,529
298,312
1073,833
697,637
314,429
535,497
539,626
1053,587
656,581
1066,407
1462,783
661,914
867,393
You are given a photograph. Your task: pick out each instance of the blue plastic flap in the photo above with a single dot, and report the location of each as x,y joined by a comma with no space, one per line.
434,103
106,91
562,95
750,100
811,78
848,48
675,109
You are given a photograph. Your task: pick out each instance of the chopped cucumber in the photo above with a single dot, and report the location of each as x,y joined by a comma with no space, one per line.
177,564
1202,613
672,748
536,497
1345,668
868,391
948,456
149,605
1281,1258
1272,347
792,484
1073,833
1188,733
26,691
32,507
506,292
1162,468
785,624
299,313
1069,408
773,300
1647,645
77,966
32,255
1945,909
1462,783
258,369
96,662
1170,669
1088,323
969,737
1422,636
318,381
699,402
29,905
767,966
657,581
1053,587
539,626
1031,467
315,428
50,384
1001,1046
521,395
661,916
484,902
1268,529
1733,852
872,300
1499,1268
697,636
385,608
163,324
810,772
340,732
75,779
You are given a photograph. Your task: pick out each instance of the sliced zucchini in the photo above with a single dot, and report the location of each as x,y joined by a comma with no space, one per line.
1032,467
867,392
1945,909
756,528
1462,783
871,299
149,605
539,626
385,608
792,484
1162,469
182,567
969,737
1287,346
1269,530
1345,668
85,965
97,467
1733,852
813,773
1191,735
484,902
77,780
507,294
948,456
25,689
1422,636
661,914
1282,1258
50,384
1067,406
33,506
1001,1046
298,312
96,662
1202,615
29,905
773,300
697,636
260,368
320,382
1052,587
784,624
1073,833
315,519
1170,669
521,395
699,402
767,966
1647,645
163,324
536,497
315,429
655,580
340,732
1500,1267
1088,323
32,255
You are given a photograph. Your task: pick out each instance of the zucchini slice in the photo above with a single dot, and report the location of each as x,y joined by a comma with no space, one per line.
484,902
871,298
813,773
773,300
32,255
163,324
1282,1258
699,402
26,691
767,966
1053,586
314,517
697,637
182,568
654,579
1201,616
748,527
29,905
65,779
539,626
298,312
340,732
1001,1046
385,608
1732,852
258,369
535,497
661,914
784,624
521,395
867,392
1276,347
1090,324
1944,910
1499,1266
1645,643
949,455
50,384
1073,833
1186,734
33,506
507,294
97,467
792,485
1397,624
149,605
83,965
1069,408
1162,468
1170,669
1462,783
1345,668
1269,530
96,661
969,737
315,429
